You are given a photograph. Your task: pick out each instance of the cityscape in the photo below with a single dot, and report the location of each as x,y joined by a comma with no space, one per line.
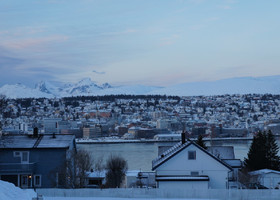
141,100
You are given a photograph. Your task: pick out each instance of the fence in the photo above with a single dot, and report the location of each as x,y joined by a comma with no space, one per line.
222,194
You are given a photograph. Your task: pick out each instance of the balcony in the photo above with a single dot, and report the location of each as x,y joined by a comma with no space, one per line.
17,167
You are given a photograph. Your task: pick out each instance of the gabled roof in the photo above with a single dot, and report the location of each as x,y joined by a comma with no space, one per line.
178,148
29,142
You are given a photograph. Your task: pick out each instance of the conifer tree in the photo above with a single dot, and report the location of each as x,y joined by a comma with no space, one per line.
272,151
200,142
263,153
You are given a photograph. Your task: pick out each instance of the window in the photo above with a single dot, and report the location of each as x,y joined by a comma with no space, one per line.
37,180
194,173
23,155
192,155
17,153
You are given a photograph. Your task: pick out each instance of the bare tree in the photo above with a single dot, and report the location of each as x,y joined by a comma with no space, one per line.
83,164
73,172
116,168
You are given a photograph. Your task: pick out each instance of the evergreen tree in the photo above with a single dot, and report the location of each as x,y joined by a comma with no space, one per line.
200,142
272,151
263,153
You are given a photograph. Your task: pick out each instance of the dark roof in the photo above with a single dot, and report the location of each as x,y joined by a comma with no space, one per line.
29,142
178,148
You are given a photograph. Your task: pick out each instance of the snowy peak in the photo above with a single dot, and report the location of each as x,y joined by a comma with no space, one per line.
22,91
106,85
85,82
46,87
87,87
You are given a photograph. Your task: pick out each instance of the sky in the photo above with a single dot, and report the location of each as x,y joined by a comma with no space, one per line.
128,42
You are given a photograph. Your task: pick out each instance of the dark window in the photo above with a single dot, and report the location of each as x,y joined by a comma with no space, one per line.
192,155
37,180
194,173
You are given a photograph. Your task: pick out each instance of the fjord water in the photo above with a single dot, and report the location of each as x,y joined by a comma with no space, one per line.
139,156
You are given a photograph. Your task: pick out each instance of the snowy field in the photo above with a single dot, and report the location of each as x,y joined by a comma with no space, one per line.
108,198
9,192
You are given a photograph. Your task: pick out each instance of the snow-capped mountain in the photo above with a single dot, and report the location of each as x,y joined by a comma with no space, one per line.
21,91
242,85
86,87
46,87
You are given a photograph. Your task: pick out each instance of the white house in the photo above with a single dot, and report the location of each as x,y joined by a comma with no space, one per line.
266,177
187,165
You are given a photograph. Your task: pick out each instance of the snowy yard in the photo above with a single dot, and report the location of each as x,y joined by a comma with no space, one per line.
9,192
107,198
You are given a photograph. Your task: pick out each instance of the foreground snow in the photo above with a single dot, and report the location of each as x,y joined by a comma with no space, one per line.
108,198
9,191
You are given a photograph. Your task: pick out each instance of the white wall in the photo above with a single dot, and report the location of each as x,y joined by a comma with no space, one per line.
270,180
170,185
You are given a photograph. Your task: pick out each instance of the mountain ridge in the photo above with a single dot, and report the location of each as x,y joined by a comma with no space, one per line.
87,87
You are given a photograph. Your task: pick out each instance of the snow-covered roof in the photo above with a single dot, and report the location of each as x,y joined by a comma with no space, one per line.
97,174
264,171
222,152
43,141
176,149
235,163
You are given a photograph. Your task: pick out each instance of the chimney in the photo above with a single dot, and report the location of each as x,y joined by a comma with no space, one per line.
35,132
183,137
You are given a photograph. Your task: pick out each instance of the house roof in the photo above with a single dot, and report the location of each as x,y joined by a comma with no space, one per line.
178,148
234,163
264,171
222,152
29,142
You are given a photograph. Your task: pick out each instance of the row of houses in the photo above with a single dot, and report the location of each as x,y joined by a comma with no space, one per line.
35,161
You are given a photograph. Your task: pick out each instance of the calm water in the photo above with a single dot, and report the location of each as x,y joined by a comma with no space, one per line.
140,155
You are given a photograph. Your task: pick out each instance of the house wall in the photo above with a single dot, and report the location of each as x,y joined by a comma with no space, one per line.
204,164
270,180
183,184
47,162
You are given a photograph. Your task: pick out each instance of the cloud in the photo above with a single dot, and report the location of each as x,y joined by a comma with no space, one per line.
94,71
32,42
225,7
6,61
169,40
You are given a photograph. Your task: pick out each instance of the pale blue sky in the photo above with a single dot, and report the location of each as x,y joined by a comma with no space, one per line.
149,42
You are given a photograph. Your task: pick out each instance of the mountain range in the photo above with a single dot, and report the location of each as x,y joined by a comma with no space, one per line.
86,87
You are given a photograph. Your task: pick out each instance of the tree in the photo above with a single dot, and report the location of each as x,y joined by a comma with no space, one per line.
272,152
73,172
200,142
263,153
82,165
116,168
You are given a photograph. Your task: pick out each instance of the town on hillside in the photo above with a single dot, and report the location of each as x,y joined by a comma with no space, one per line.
135,117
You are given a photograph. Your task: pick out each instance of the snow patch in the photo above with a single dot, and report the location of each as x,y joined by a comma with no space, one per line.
9,191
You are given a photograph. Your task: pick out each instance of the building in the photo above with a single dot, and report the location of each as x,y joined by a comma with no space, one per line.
33,161
92,132
189,166
266,177
51,125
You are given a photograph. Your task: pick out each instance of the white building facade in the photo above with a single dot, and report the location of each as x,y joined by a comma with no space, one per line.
189,166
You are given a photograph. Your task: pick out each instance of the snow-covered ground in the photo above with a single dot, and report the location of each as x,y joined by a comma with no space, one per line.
9,191
107,198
